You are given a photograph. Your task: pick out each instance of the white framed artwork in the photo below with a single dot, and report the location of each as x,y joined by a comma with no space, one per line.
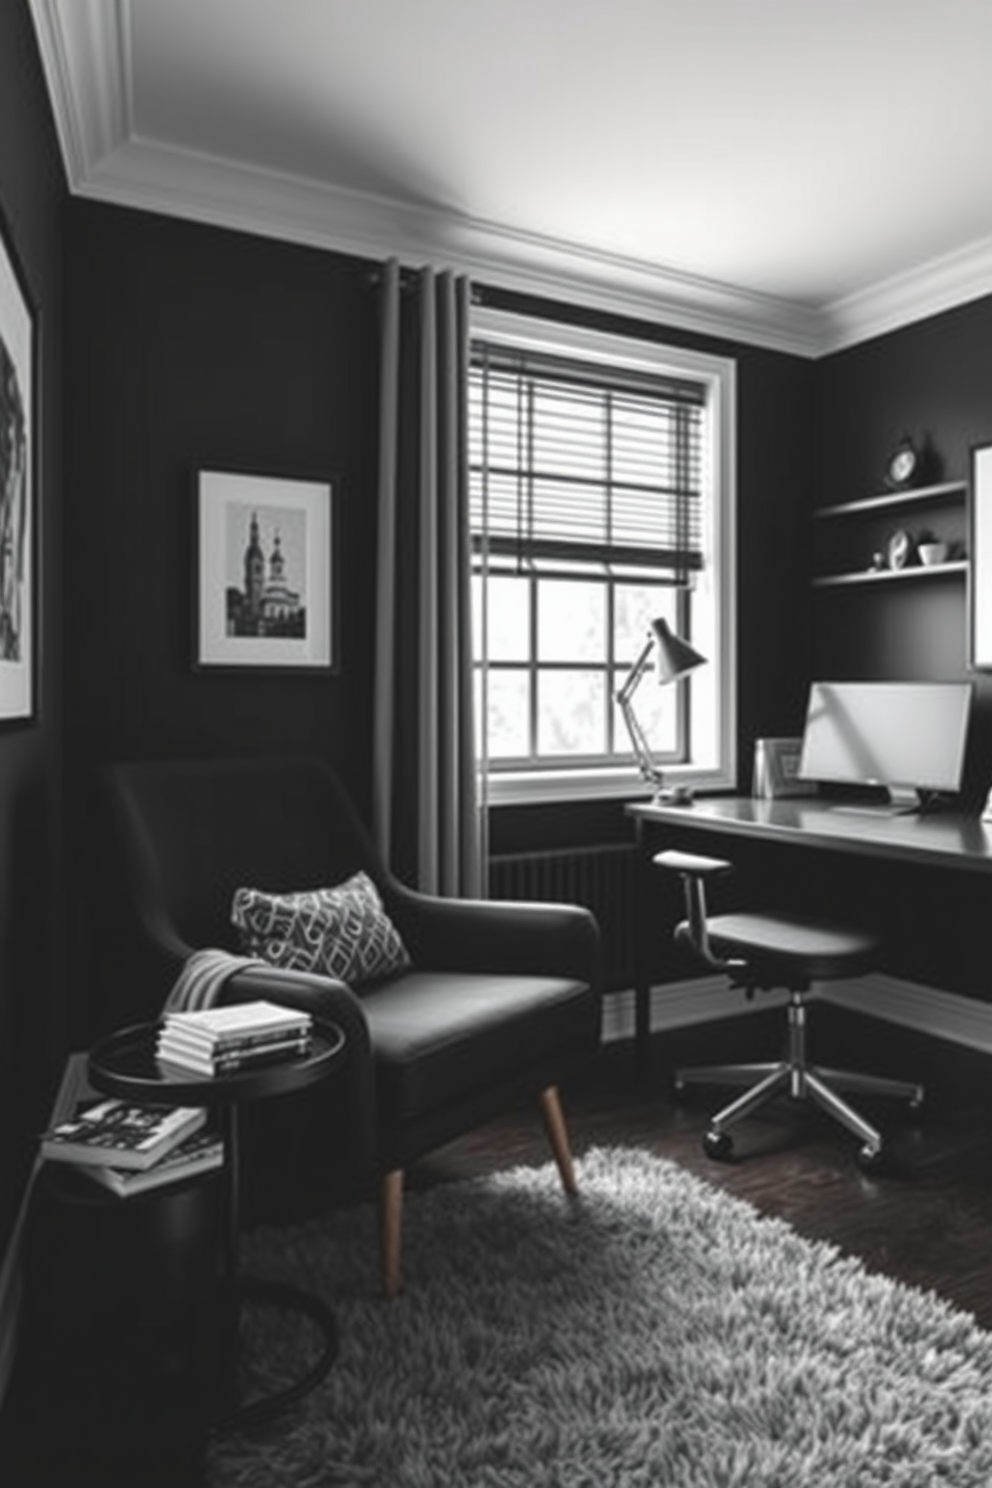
264,586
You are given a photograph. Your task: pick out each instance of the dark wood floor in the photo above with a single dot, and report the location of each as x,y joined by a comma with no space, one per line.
926,1221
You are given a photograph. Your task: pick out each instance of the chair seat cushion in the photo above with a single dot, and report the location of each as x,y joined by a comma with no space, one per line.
792,945
440,1036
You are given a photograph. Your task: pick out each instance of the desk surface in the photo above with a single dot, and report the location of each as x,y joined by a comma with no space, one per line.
945,839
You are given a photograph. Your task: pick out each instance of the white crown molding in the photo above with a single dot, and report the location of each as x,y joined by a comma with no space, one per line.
154,177
86,55
931,288
85,47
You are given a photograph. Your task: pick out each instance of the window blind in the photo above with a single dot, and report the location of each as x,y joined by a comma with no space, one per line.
574,463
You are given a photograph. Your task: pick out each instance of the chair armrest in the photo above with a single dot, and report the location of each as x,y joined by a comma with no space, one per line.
334,1002
323,997
692,865
502,936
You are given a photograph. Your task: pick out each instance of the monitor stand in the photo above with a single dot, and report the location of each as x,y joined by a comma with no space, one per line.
902,801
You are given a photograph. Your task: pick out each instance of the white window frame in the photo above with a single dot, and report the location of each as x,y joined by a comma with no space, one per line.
712,764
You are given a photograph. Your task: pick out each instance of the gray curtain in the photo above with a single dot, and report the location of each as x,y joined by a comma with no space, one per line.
425,797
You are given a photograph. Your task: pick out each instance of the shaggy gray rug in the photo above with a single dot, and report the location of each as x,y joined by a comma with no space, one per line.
654,1332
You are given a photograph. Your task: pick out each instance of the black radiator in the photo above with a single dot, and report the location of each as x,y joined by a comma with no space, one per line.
601,878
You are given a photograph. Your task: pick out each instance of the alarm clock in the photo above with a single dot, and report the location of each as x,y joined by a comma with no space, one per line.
902,466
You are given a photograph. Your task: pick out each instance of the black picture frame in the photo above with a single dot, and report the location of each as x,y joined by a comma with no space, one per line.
19,479
265,571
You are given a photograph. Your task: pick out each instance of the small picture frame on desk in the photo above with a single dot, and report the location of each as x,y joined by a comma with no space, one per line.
776,770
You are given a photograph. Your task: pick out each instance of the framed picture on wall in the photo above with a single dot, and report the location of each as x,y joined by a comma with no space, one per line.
264,586
980,558
18,493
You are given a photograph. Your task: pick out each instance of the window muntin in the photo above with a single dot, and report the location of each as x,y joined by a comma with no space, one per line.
593,512
558,650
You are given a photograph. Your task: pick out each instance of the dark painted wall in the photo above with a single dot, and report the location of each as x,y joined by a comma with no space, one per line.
932,380
32,199
187,343
189,346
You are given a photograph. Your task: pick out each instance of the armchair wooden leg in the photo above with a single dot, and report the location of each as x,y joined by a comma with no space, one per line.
554,1123
390,1229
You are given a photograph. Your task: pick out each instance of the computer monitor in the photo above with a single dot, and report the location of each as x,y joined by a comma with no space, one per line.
907,736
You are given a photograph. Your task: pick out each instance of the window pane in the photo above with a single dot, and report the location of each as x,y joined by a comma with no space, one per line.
656,710
635,606
571,713
571,621
508,733
509,630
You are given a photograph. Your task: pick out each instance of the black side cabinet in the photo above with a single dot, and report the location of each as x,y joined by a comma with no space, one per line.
117,1367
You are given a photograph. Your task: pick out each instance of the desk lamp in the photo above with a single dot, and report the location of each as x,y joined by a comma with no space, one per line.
675,659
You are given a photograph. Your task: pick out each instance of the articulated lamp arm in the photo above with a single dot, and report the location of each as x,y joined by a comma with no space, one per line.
675,658
625,697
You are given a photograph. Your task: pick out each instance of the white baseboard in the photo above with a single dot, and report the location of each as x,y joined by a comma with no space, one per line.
680,1004
946,1015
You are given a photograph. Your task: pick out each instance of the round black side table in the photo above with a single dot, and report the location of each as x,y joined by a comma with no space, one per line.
125,1065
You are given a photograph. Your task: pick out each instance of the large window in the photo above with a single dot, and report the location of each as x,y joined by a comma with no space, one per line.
601,497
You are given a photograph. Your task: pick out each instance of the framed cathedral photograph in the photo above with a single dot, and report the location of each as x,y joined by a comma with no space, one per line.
264,582
18,494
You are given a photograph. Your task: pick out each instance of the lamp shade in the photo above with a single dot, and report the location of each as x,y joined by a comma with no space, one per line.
675,657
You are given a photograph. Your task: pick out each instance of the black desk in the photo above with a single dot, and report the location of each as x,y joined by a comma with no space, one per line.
945,841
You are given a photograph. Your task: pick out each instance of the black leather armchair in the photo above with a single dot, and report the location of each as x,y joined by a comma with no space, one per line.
501,1000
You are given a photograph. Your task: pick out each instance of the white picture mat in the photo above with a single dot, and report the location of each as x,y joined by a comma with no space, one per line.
307,505
16,676
980,577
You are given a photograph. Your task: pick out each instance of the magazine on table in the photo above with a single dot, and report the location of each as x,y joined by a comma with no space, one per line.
121,1134
203,1152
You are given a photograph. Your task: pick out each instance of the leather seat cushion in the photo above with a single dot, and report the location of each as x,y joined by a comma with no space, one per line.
790,944
440,1036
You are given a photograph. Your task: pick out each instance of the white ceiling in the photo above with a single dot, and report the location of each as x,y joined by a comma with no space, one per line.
799,173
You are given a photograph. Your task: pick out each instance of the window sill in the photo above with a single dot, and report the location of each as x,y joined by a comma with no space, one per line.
535,787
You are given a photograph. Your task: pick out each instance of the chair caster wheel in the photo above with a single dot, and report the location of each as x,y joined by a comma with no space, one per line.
871,1159
718,1145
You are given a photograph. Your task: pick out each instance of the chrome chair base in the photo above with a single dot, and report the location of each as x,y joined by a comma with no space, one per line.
800,1080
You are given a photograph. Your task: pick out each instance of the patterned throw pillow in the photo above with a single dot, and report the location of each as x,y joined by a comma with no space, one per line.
342,932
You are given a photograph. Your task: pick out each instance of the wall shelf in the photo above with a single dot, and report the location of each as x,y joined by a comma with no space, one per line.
892,575
936,509
946,491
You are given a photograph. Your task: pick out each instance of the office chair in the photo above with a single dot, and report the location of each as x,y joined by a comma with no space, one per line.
761,952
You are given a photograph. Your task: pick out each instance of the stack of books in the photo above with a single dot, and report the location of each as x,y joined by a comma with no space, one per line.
130,1148
215,1041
